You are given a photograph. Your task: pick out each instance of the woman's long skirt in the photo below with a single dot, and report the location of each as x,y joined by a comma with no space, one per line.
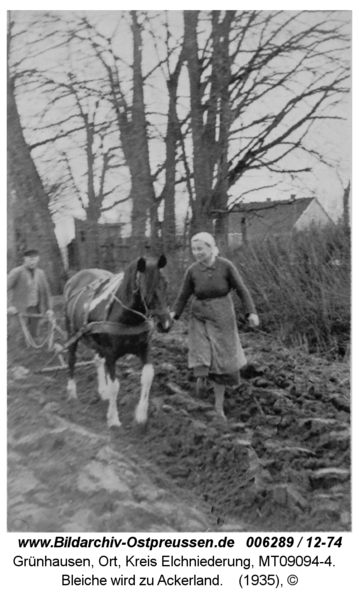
215,349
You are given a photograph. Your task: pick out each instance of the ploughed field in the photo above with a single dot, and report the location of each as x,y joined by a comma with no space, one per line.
281,461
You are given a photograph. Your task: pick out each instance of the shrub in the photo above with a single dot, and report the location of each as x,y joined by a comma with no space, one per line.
301,286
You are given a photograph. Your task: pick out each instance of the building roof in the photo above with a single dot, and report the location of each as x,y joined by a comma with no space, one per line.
294,204
280,215
270,217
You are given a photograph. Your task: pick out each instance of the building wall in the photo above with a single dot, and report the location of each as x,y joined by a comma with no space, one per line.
275,220
262,224
115,252
314,214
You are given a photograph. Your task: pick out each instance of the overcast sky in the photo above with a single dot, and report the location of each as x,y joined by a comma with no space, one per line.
332,138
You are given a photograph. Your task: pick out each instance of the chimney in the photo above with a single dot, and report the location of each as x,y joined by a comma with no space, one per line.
268,199
292,196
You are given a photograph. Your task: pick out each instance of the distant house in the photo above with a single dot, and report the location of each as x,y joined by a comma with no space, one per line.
261,220
115,251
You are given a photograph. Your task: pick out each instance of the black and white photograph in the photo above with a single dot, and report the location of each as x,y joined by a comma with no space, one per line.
179,201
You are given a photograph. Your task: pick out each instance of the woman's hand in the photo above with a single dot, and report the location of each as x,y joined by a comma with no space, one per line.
173,315
253,320
12,310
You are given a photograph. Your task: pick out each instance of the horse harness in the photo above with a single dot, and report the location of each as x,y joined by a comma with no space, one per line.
106,326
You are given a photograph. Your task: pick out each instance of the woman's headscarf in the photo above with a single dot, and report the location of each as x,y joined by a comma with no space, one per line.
208,239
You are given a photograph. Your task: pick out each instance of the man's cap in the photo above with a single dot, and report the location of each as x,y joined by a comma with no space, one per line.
31,252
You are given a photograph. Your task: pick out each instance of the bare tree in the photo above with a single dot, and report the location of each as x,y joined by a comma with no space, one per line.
241,91
258,84
76,124
29,215
132,127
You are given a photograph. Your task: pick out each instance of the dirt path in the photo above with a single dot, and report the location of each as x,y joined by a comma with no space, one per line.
281,462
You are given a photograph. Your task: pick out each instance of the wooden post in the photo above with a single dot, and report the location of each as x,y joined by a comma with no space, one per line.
346,219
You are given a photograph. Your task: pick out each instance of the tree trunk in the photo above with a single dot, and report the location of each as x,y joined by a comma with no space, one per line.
202,146
210,138
222,65
133,131
346,219
93,210
33,225
11,230
172,136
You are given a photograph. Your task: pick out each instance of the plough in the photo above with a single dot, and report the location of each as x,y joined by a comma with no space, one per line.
63,366
58,348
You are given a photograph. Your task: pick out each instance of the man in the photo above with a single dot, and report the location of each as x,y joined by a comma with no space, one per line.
29,291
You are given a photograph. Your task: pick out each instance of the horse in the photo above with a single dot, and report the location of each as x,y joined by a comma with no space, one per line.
112,313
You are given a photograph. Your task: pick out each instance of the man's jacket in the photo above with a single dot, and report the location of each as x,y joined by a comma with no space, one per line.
18,289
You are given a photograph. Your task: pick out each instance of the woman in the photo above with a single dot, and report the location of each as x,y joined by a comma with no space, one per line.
215,351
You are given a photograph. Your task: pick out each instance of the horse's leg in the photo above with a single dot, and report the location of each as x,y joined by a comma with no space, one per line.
71,384
102,378
146,382
112,389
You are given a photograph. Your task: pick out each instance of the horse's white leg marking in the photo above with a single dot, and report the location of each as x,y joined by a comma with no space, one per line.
168,323
102,378
146,381
71,389
112,414
108,390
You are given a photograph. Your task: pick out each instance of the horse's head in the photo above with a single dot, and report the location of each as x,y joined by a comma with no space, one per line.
153,285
